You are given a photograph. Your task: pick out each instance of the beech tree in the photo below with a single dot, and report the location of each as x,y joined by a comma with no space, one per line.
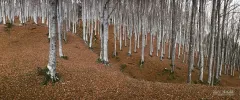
211,51
223,34
104,49
53,34
192,39
173,34
201,32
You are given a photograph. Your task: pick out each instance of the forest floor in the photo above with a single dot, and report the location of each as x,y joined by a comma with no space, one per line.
25,48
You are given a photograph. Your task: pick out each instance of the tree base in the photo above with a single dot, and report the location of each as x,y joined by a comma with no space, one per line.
91,48
65,41
105,62
86,43
129,54
150,55
141,63
161,58
47,77
99,60
64,57
114,54
55,78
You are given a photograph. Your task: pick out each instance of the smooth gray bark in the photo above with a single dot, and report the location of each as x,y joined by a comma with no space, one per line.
192,41
174,33
201,31
53,33
60,22
211,51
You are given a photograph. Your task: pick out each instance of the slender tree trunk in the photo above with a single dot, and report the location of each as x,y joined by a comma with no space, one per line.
143,46
115,39
65,32
162,31
120,40
169,46
59,14
151,44
125,36
139,33
83,20
4,16
173,49
186,29
201,31
179,44
211,52
222,31
218,55
192,40
135,40
91,35
130,46
101,36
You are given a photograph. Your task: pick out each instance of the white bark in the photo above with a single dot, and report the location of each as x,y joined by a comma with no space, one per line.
53,32
211,52
151,44
201,31
59,15
130,46
3,12
91,35
180,43
135,40
143,46
115,38
125,36
120,37
192,40
105,35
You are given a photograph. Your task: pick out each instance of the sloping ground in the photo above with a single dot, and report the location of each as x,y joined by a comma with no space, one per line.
26,48
155,70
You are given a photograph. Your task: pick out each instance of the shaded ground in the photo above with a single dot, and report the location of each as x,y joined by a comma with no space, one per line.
26,48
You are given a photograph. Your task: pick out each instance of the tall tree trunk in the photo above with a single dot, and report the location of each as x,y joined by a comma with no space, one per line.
105,33
192,40
135,40
173,49
186,29
120,36
201,31
151,44
130,41
143,46
169,46
91,35
222,31
59,15
53,33
210,58
162,29
115,39
125,36
218,55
